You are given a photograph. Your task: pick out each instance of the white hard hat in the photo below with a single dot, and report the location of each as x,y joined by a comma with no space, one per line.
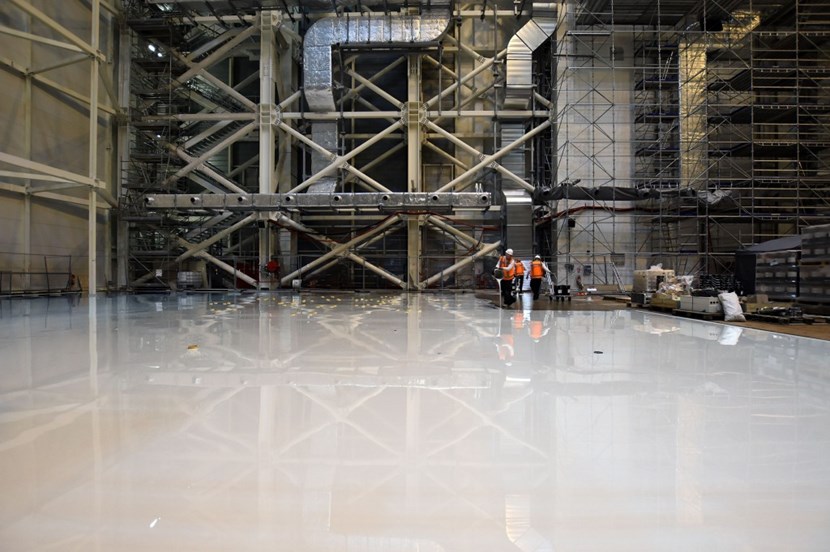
508,252
537,257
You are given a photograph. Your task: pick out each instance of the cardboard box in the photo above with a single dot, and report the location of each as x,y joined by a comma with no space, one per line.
650,280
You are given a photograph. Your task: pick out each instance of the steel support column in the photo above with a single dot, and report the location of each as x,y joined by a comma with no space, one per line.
267,120
414,177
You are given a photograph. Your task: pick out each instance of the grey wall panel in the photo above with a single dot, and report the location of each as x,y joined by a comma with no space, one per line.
58,126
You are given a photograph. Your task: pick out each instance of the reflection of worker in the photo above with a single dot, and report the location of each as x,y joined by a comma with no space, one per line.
538,269
537,330
508,267
518,321
505,348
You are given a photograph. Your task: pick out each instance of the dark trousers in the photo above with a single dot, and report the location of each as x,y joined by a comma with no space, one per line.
535,286
506,287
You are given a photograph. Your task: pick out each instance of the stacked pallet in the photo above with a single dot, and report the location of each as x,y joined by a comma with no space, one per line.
777,275
815,264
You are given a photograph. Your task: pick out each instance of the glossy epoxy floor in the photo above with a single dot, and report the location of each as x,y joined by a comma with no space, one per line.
404,423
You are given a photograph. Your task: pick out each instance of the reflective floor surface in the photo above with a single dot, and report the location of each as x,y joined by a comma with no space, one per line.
371,422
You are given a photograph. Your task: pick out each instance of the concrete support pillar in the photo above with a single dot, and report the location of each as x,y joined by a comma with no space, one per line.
92,285
27,198
123,146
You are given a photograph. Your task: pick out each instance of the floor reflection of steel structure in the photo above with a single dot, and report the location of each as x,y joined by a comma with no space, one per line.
400,422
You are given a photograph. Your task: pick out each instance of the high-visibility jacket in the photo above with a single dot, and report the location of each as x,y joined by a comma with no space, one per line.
537,269
507,274
536,329
520,269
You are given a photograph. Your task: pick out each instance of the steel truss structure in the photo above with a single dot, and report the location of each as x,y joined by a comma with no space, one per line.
383,149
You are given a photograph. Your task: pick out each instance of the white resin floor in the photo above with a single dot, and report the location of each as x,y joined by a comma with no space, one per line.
369,422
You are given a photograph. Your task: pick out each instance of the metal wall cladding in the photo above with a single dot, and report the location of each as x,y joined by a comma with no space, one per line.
373,29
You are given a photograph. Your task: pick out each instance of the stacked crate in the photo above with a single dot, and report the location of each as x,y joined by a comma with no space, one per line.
777,275
815,264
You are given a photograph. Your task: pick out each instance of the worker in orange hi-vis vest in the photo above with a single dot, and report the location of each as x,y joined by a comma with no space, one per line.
519,280
538,269
508,271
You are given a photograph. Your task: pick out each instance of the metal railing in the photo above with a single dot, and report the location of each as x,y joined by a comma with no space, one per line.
27,274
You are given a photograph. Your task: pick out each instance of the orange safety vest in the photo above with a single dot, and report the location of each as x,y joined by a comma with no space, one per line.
503,264
520,268
536,270
518,321
536,329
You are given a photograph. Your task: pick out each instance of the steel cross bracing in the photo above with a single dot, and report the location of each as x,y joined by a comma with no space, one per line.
198,124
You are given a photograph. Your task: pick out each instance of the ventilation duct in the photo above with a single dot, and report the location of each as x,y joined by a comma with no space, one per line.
519,64
412,30
323,133
518,91
402,30
518,206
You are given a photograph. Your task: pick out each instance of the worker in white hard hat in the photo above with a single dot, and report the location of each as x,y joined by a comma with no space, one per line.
508,271
538,269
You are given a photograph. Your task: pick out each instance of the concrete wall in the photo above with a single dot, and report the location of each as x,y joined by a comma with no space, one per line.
42,122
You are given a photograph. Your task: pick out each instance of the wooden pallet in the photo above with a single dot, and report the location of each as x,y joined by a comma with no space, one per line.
698,314
661,308
774,319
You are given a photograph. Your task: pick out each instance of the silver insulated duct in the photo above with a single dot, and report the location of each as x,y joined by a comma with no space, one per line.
361,30
519,64
518,203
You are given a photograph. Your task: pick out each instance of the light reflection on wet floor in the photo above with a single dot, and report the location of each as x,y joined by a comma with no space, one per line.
404,422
